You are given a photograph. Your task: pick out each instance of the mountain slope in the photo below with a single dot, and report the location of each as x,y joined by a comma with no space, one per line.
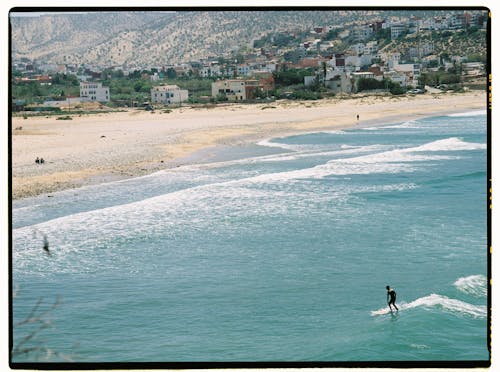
156,38
115,38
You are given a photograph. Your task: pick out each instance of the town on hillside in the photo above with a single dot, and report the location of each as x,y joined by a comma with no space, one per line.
397,55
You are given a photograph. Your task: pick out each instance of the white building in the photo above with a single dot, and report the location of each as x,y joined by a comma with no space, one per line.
363,75
243,70
352,63
371,47
339,83
362,32
155,77
410,69
168,94
93,92
390,59
210,71
397,29
358,48
398,77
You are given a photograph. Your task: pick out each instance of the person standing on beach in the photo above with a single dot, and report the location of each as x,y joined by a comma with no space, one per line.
357,117
392,300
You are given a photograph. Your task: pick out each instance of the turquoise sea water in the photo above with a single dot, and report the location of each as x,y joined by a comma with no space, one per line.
277,251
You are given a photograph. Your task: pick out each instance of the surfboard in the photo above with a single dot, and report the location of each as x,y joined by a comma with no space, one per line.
383,311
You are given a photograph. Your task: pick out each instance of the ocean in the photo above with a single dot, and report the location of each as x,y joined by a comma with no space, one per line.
274,251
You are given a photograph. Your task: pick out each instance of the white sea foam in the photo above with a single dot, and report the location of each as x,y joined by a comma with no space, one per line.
405,125
390,188
444,303
78,236
338,131
154,215
475,285
269,143
300,154
469,113
392,161
448,144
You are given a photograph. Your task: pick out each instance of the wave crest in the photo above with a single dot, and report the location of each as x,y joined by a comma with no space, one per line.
448,144
475,285
449,305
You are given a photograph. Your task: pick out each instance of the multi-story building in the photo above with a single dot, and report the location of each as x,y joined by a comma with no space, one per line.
243,70
338,82
390,59
397,29
371,47
93,92
235,89
363,32
457,21
397,77
358,48
168,94
210,70
411,69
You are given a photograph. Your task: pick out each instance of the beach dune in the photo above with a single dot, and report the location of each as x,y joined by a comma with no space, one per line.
109,146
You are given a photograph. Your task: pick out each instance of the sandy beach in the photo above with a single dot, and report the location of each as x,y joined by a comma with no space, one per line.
109,146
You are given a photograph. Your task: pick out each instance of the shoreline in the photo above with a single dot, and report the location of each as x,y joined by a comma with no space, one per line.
102,148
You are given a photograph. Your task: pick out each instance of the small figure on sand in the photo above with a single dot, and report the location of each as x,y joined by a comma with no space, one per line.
357,117
42,161
37,160
392,294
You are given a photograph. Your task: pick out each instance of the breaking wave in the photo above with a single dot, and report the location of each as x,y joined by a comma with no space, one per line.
475,285
443,303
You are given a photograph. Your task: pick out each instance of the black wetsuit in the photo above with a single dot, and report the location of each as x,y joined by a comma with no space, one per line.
391,292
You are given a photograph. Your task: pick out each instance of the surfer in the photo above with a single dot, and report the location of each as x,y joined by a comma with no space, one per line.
391,298
45,241
46,245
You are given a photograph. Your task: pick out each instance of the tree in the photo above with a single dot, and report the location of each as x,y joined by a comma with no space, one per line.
138,85
370,84
290,77
135,75
332,34
171,73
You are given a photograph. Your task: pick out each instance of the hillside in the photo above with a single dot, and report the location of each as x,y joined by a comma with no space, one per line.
139,38
149,38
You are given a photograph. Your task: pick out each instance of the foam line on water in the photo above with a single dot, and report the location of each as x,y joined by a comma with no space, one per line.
406,125
444,303
468,113
300,154
269,143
